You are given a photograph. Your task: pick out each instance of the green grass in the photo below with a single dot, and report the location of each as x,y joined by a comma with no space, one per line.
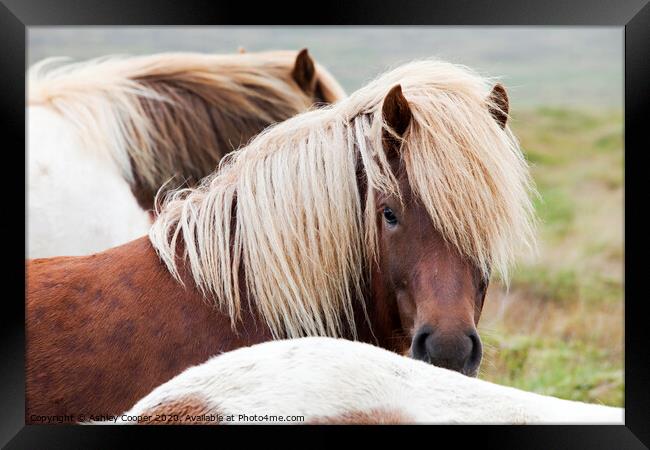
566,285
570,370
602,289
559,329
545,284
555,209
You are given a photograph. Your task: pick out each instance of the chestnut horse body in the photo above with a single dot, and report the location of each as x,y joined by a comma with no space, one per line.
104,330
376,219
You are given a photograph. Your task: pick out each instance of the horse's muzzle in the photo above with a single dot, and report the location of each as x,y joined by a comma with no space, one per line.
461,351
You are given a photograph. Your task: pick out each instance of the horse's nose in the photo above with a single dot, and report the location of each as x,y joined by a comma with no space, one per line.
461,351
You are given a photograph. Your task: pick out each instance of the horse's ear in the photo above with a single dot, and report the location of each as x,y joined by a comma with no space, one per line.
499,104
397,115
304,72
396,110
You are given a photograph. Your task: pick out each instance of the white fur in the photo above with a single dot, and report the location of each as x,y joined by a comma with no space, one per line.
321,377
78,201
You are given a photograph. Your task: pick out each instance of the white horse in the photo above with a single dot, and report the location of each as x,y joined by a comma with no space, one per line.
336,381
78,201
104,135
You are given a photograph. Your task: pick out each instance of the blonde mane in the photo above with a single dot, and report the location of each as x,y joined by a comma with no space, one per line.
287,211
172,114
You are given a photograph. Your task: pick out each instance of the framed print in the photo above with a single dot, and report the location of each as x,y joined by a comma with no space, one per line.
215,192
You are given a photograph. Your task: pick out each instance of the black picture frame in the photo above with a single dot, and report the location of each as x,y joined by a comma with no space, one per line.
17,15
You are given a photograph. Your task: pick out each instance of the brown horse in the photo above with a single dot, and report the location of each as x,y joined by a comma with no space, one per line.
378,219
119,129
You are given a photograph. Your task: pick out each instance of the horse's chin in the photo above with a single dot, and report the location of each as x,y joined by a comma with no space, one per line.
472,373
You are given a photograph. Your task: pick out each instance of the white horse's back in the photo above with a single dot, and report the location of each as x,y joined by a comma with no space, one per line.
62,172
337,381
106,134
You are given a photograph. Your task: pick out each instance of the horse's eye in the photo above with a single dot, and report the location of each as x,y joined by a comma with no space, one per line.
390,216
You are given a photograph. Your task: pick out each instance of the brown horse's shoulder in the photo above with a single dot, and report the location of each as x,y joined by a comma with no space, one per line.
91,318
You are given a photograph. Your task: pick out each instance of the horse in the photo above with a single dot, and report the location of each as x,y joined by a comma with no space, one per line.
106,134
379,218
321,380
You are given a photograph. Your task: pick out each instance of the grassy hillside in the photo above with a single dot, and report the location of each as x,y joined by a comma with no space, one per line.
559,329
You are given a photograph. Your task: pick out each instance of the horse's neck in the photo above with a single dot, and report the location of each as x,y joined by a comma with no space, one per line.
78,201
384,329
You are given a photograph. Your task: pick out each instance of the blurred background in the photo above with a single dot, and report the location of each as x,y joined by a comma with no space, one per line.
558,329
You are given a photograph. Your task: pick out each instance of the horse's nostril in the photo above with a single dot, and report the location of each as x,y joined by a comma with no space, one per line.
419,345
474,360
